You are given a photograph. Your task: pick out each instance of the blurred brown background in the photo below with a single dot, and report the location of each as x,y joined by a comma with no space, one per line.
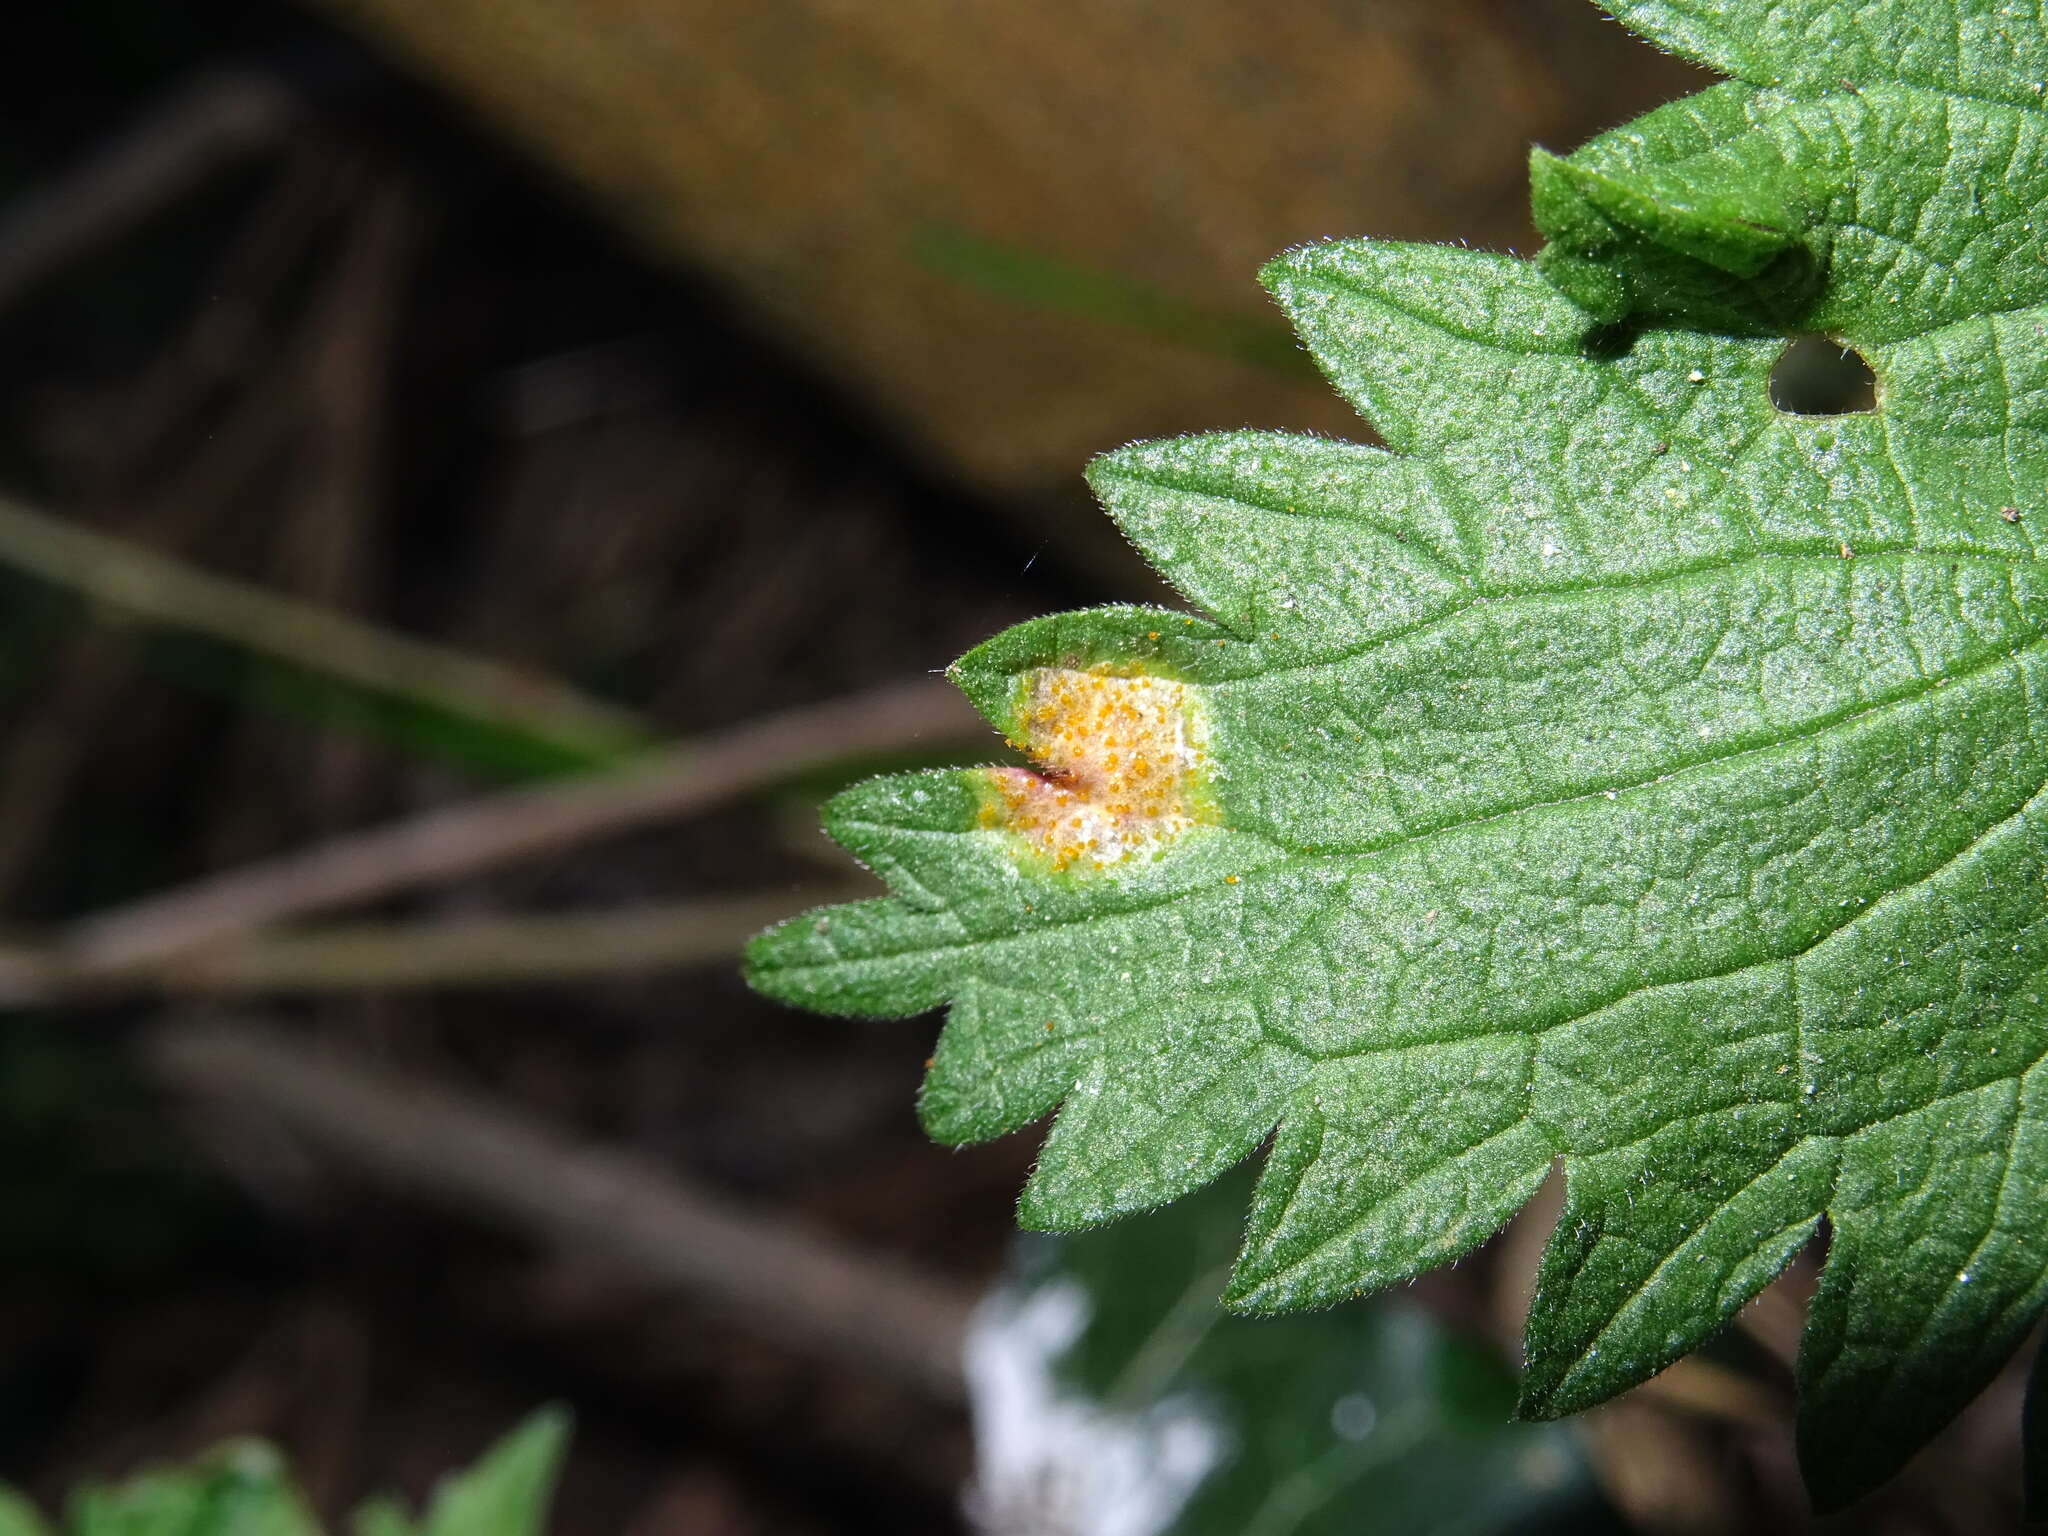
465,472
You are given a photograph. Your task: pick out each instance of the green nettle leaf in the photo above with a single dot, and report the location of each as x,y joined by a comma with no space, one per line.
1616,767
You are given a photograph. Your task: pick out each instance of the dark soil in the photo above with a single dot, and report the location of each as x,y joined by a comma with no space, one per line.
540,449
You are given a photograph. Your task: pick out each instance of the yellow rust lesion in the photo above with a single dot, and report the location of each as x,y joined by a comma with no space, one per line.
1122,769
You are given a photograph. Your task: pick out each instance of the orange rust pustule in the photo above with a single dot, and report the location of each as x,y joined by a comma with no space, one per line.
1121,767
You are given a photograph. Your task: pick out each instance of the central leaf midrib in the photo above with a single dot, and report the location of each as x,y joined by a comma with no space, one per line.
1806,730
1302,859
1537,1025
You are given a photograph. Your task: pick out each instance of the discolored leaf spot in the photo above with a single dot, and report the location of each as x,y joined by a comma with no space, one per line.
1121,768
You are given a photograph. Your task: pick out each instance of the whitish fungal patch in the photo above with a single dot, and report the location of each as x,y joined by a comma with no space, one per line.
1122,764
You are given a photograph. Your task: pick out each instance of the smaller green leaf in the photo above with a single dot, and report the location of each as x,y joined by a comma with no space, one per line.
1716,235
1735,227
507,1493
19,1516
383,1516
241,1489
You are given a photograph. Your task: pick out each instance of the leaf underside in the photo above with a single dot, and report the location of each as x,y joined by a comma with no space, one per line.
1613,768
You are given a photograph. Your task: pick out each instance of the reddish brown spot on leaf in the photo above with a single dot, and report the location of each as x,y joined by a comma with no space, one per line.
1122,761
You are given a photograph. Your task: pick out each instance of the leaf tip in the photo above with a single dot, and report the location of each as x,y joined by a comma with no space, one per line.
764,956
1537,1399
1038,1210
1285,273
1248,1295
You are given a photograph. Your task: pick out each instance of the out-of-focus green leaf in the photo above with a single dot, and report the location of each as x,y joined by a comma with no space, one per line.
242,1489
419,727
18,1517
507,1493
1112,1392
1036,278
382,1516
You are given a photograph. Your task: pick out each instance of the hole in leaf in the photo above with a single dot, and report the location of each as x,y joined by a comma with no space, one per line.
1820,376
1610,342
